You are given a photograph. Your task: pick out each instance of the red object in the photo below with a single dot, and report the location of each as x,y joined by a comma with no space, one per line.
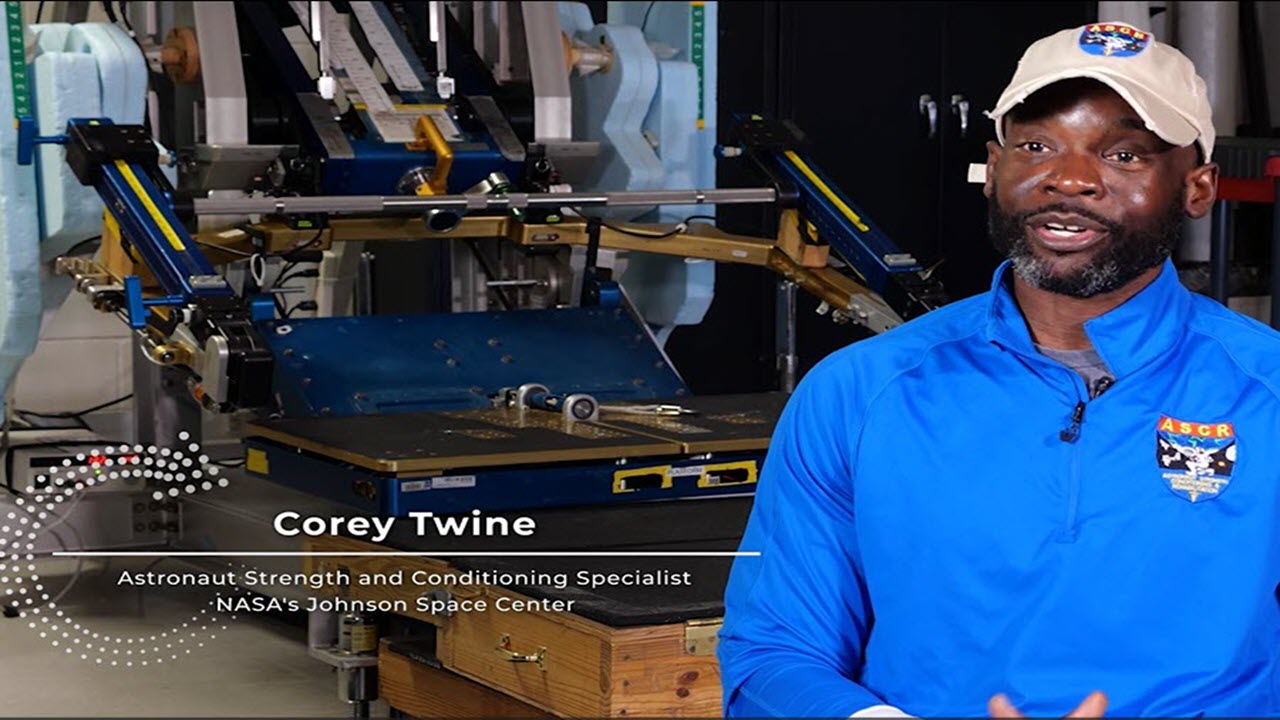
1258,190
1272,168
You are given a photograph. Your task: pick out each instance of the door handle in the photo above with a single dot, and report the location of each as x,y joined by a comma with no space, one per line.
929,109
960,107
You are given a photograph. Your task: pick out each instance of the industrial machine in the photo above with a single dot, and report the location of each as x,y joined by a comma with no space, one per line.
236,157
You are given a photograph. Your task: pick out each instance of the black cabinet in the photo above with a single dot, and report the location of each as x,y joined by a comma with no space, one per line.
890,97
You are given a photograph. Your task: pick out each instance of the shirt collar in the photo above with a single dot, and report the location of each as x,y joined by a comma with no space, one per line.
1137,332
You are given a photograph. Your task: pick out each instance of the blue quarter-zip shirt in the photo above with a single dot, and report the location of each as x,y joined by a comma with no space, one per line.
944,514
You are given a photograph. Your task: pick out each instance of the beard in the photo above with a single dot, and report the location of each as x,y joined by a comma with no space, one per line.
1125,253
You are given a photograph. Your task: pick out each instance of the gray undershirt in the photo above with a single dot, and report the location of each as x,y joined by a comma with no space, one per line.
1087,363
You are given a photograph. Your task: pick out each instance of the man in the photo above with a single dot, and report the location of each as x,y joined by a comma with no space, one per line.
1066,485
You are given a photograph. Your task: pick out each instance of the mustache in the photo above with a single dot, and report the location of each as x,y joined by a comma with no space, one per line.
1061,207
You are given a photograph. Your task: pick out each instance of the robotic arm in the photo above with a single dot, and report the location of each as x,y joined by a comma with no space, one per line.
196,320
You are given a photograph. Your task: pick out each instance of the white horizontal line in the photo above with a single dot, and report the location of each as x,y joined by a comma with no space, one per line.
549,553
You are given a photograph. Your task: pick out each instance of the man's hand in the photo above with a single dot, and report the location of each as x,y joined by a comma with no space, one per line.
1092,707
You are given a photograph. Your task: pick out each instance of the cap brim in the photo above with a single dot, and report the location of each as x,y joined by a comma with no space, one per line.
1159,116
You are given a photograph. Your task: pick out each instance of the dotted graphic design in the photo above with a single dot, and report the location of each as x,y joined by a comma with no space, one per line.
177,472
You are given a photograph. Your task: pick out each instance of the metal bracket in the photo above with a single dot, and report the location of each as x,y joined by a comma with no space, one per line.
701,636
504,650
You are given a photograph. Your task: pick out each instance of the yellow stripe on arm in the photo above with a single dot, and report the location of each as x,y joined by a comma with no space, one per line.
813,178
156,216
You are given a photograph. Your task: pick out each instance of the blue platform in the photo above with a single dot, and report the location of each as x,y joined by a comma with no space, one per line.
394,364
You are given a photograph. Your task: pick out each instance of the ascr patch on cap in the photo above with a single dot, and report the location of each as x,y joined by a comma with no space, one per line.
1113,40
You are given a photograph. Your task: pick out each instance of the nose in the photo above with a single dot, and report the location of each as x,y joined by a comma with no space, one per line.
1073,175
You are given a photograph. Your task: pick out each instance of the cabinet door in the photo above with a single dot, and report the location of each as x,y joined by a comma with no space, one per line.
851,76
982,43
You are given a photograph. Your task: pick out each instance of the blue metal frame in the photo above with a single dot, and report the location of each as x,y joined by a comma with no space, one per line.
866,246
172,262
146,218
378,166
494,489
440,361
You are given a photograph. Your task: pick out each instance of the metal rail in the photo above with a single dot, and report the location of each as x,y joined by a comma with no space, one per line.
411,205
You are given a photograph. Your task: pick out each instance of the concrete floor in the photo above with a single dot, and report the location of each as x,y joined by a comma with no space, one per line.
257,667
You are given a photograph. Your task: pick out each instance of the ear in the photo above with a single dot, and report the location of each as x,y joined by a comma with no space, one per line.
1200,189
993,158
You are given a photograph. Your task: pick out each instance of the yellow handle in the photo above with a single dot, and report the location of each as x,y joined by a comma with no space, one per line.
429,136
504,650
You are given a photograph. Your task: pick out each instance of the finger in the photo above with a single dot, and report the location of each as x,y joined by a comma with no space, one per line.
1000,707
1092,707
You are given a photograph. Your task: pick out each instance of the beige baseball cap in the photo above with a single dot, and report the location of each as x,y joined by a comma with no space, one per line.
1156,79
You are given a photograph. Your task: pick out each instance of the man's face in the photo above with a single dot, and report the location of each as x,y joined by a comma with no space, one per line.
1083,198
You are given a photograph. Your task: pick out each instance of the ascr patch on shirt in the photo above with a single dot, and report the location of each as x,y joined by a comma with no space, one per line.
1113,40
1196,458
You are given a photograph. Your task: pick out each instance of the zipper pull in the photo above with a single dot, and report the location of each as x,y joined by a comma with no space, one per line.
1103,384
1077,419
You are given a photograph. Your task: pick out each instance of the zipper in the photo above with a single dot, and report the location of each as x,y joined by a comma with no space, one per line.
1071,434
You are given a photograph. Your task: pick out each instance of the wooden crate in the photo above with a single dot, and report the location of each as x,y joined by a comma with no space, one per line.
428,692
586,669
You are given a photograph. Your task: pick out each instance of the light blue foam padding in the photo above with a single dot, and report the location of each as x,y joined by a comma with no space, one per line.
673,119
82,70
575,17
670,291
671,24
51,37
66,86
122,71
610,107
20,303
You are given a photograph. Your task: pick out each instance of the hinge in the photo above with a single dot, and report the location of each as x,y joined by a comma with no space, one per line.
701,636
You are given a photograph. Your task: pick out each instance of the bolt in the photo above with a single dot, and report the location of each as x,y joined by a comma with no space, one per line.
451,362
288,352
360,396
306,381
326,411
638,382
441,344
494,342
658,364
508,359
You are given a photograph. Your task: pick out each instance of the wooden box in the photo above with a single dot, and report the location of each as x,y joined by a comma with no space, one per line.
561,663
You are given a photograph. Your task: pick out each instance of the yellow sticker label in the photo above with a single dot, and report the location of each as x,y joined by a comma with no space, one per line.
734,473
255,461
642,478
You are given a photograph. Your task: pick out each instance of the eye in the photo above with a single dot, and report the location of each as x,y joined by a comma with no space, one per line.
1034,146
1125,157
